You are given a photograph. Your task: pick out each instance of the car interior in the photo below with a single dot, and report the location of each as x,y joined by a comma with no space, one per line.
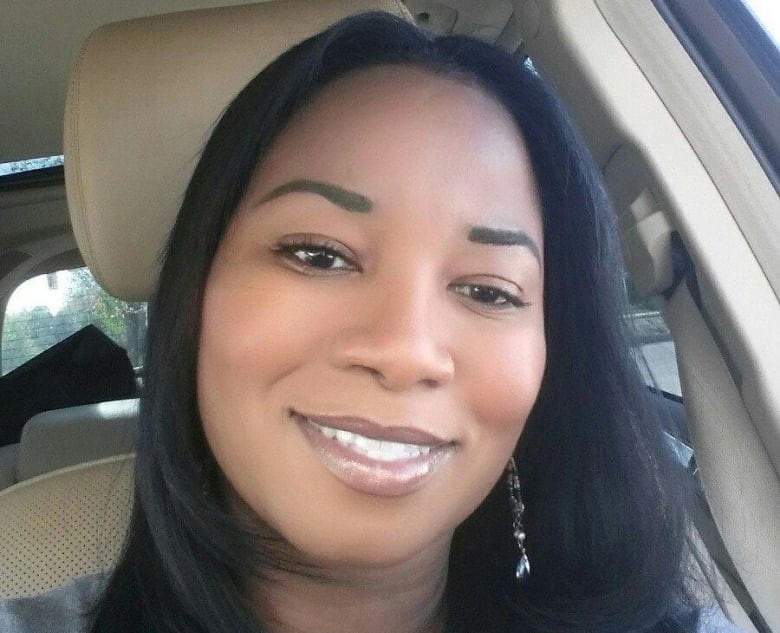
128,92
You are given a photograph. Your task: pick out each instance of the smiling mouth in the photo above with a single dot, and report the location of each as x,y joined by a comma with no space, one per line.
381,450
369,458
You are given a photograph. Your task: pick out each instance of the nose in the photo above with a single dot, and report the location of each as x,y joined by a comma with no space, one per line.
397,339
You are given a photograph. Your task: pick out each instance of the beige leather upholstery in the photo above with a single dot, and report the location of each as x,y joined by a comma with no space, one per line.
63,437
711,586
143,96
63,525
739,479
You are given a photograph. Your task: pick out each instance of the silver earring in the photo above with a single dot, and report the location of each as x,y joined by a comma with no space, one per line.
523,569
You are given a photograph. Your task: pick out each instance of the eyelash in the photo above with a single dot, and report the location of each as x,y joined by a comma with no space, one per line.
290,249
507,298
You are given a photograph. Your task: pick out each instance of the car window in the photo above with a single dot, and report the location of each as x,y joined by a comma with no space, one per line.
652,344
32,164
767,14
48,308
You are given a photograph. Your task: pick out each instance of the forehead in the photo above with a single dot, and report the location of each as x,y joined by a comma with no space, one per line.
408,135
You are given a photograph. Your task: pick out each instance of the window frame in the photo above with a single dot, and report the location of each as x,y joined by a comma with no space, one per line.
741,62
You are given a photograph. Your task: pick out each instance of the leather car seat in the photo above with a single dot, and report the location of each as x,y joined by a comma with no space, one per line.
64,437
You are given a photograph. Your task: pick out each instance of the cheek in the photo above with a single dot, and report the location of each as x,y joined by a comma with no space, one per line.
255,332
502,384
505,373
252,331
247,343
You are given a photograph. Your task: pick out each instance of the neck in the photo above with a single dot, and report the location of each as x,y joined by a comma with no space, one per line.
407,597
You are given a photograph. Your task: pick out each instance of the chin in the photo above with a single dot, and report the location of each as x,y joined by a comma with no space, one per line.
368,549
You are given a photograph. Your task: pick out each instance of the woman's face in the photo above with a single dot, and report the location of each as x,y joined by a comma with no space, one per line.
373,331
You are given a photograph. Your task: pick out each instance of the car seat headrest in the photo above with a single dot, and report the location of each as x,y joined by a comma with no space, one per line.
143,97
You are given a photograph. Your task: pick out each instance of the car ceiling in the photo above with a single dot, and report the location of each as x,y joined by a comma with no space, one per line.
41,41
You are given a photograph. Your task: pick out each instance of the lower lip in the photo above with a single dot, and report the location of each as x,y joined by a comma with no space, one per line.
370,476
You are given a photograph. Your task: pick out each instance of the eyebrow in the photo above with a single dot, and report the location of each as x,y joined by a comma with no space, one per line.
504,237
353,201
344,198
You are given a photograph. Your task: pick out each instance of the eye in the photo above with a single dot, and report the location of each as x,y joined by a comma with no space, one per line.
314,255
490,296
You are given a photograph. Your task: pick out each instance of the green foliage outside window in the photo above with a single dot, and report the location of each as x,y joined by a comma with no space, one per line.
28,332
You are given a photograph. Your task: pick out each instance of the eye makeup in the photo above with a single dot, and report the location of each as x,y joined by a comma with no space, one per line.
315,255
504,237
490,296
341,197
311,255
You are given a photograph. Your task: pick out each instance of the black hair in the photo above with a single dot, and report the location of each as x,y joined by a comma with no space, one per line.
605,519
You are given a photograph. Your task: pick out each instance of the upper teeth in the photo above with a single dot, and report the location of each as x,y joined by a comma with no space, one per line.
375,449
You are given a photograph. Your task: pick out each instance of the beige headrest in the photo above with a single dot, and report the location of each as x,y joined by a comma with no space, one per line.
143,97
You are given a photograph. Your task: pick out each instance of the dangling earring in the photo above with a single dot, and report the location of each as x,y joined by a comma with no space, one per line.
523,569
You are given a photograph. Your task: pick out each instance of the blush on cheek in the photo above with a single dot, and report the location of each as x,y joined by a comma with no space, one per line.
508,383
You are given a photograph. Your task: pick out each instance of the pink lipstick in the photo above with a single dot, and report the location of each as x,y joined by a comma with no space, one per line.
371,458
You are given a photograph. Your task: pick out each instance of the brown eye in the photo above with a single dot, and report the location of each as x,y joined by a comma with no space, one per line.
489,296
314,257
317,257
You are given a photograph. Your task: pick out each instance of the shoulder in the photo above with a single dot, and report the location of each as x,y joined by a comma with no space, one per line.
61,610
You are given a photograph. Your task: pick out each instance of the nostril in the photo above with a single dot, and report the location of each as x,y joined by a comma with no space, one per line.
395,353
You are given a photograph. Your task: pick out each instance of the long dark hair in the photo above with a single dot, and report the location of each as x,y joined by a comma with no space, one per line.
605,518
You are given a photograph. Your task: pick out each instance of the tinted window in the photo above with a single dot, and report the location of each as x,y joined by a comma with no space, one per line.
46,309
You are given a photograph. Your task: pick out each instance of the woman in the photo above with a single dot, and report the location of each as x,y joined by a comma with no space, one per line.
386,345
